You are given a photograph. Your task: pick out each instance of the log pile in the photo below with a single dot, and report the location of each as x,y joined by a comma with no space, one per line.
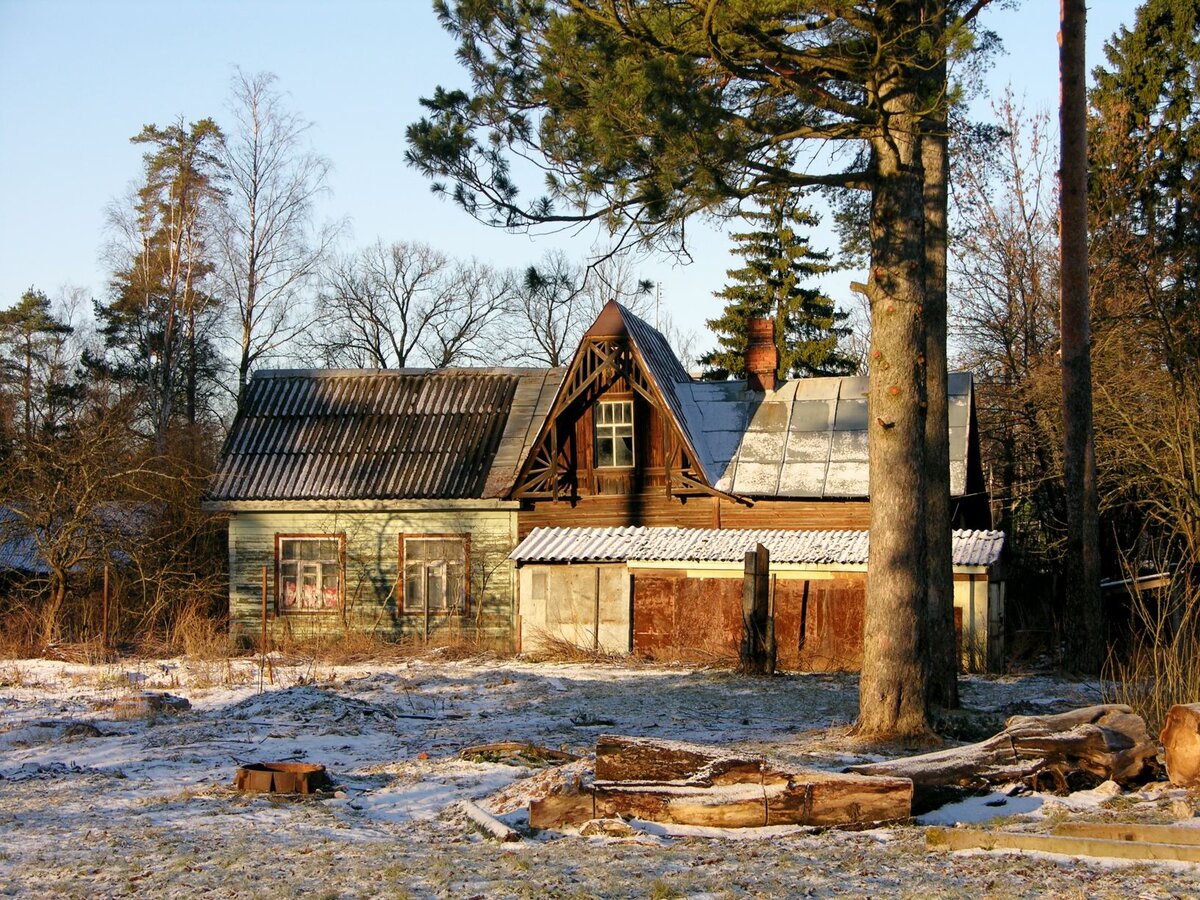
1180,738
692,784
1097,743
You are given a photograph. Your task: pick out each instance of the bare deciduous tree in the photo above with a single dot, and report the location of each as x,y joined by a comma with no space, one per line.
268,247
557,299
405,304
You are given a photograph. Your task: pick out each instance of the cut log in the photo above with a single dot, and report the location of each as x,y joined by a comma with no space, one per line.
1181,740
1103,743
571,805
645,759
693,784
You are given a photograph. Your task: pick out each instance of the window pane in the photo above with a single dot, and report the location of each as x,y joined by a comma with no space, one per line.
624,451
454,586
435,585
414,587
604,451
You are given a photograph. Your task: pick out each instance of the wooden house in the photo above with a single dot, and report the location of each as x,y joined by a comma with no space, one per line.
378,500
631,441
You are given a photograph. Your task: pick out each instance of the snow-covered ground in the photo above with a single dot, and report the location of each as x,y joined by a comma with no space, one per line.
96,804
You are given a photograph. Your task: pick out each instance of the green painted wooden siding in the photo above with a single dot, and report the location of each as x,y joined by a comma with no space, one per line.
372,585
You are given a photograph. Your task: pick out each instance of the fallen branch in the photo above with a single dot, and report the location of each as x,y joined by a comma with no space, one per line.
488,822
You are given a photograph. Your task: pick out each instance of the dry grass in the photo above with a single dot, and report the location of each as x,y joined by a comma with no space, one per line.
1162,666
551,648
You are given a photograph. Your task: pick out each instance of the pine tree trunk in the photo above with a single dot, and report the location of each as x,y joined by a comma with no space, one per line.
892,688
943,647
1083,620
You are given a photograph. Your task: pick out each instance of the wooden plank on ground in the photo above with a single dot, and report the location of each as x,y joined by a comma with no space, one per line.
1114,831
971,839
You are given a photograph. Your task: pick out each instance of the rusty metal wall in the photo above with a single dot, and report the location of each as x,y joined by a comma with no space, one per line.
676,618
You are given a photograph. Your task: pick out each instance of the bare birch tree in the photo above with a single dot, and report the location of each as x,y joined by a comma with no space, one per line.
269,248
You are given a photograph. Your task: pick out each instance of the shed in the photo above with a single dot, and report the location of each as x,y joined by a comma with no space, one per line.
675,593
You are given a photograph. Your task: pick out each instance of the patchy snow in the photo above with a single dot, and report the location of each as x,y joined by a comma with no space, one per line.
93,804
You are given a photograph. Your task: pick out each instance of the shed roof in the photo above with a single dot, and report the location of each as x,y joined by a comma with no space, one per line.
560,545
382,434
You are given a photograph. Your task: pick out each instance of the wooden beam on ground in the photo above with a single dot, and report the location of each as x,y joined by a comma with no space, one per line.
572,805
1115,831
971,839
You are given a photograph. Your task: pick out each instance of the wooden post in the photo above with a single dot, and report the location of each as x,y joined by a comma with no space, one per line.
263,640
758,639
104,615
596,630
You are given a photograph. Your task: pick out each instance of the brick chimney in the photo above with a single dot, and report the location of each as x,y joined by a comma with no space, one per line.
762,359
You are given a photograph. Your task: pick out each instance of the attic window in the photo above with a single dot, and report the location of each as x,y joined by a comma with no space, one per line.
614,434
435,573
310,571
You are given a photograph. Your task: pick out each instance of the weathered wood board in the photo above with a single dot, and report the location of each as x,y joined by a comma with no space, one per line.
971,839
1116,831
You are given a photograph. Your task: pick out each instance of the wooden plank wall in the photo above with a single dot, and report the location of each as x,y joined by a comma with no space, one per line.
372,585
654,508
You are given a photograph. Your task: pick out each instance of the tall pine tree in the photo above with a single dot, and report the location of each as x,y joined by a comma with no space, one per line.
157,327
779,260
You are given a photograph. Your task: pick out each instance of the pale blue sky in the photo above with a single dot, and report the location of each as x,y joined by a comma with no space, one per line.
79,77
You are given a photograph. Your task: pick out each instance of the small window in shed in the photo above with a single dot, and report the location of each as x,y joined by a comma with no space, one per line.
614,433
538,586
310,572
435,574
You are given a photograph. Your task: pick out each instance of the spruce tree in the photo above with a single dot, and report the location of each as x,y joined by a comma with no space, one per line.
779,259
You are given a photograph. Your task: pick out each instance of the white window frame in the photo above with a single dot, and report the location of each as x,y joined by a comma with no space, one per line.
614,426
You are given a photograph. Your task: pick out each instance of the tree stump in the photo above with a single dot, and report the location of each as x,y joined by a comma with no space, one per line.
1181,740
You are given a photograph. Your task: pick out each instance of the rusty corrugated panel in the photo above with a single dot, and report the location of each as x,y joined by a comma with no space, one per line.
971,548
365,435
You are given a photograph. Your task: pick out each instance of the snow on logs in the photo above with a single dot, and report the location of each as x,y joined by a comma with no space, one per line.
1106,742
1180,738
692,784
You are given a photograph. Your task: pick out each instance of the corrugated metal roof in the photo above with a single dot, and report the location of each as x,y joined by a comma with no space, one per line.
382,434
553,545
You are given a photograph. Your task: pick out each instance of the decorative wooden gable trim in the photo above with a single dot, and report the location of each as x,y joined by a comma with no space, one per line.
607,356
